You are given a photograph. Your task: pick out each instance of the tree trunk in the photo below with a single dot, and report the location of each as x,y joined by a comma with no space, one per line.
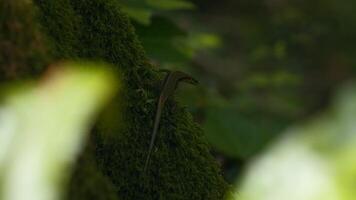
111,167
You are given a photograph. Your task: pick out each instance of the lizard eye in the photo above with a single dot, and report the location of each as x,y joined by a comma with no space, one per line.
193,81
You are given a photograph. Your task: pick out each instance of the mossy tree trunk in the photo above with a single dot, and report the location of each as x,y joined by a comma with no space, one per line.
111,167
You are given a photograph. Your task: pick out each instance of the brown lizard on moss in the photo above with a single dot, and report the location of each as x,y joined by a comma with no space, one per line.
169,85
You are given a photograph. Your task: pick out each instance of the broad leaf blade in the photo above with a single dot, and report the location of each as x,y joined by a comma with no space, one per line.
45,125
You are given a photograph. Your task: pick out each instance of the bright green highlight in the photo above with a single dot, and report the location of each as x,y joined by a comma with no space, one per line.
43,128
314,161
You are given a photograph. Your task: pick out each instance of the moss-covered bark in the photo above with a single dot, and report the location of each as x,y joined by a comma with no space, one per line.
112,166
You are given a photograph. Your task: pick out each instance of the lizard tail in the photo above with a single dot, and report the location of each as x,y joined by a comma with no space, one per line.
154,132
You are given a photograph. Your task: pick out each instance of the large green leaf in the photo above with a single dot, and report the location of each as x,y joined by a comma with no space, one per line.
141,15
159,39
314,161
238,134
43,126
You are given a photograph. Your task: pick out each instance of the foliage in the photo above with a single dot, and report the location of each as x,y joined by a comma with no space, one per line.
36,153
142,10
239,134
279,61
166,41
311,161
262,65
273,63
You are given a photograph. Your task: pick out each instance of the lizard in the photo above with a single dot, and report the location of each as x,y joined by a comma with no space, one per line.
169,85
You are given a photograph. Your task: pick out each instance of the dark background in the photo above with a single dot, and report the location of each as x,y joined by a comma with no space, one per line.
263,65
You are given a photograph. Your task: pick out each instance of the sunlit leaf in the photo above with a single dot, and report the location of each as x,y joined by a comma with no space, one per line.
43,126
314,161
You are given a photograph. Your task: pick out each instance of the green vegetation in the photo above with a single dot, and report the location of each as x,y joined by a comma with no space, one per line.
267,72
313,161
36,154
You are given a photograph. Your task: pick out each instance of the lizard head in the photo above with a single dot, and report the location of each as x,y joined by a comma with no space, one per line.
190,80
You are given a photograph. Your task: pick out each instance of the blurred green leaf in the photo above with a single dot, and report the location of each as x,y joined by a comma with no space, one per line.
141,15
238,134
43,126
278,79
314,161
142,10
137,10
195,42
290,170
158,40
170,4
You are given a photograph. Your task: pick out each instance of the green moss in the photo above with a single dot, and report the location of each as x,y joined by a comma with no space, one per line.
181,166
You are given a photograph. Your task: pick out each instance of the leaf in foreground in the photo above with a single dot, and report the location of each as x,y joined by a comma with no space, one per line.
43,126
314,161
